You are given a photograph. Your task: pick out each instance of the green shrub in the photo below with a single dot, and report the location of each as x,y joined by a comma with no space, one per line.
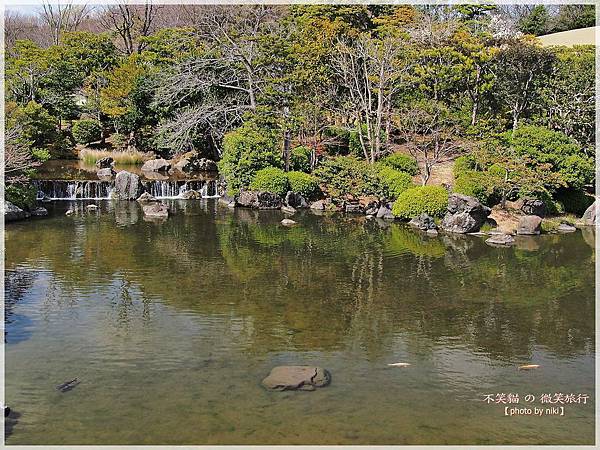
86,131
346,175
574,201
578,171
303,183
475,184
462,164
401,162
393,182
246,150
270,179
22,195
300,159
432,200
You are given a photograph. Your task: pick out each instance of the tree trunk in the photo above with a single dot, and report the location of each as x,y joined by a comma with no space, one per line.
286,149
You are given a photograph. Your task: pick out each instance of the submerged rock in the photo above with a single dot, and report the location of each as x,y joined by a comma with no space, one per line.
288,223
464,215
566,228
305,378
529,225
259,200
13,212
288,209
68,385
39,212
500,240
156,165
156,210
92,207
127,186
225,200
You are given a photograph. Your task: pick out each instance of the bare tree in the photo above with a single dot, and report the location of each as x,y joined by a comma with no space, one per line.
131,22
17,156
371,71
63,17
430,134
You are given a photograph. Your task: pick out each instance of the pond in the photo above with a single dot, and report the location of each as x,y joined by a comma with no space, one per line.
171,326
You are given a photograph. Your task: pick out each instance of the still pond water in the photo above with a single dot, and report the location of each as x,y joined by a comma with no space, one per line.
170,327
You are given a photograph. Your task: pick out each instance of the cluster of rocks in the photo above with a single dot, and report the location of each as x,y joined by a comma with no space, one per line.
13,212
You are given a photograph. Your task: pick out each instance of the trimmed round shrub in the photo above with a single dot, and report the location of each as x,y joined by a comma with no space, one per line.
432,200
393,182
303,183
347,175
475,184
246,150
270,179
87,130
401,162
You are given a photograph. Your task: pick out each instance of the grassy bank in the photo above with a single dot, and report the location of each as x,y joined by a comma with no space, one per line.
129,157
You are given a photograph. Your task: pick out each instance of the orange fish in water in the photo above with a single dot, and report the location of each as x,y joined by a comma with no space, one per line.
529,366
399,364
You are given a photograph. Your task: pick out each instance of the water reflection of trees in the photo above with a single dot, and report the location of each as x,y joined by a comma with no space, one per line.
333,281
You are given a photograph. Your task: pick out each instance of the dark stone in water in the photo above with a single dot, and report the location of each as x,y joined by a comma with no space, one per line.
104,163
6,411
68,385
304,378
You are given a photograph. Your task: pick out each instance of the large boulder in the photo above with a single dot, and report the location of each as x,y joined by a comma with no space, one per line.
156,165
529,206
259,200
295,200
305,378
464,214
106,174
13,212
127,186
423,222
156,210
589,216
529,225
385,212
105,163
193,162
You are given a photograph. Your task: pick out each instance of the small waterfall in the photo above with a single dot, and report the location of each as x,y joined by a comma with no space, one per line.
73,190
101,190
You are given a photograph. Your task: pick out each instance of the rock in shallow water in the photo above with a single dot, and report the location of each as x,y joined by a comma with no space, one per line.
13,212
305,378
529,225
127,186
500,240
566,228
288,223
156,210
465,214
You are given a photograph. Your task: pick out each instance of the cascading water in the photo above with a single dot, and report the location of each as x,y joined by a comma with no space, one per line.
101,190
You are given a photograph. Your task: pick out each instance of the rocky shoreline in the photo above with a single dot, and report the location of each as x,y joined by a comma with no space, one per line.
464,214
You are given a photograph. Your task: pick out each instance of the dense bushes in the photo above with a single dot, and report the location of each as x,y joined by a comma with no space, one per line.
270,179
432,200
86,131
303,183
401,162
573,201
476,184
300,159
346,175
392,182
22,195
246,150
